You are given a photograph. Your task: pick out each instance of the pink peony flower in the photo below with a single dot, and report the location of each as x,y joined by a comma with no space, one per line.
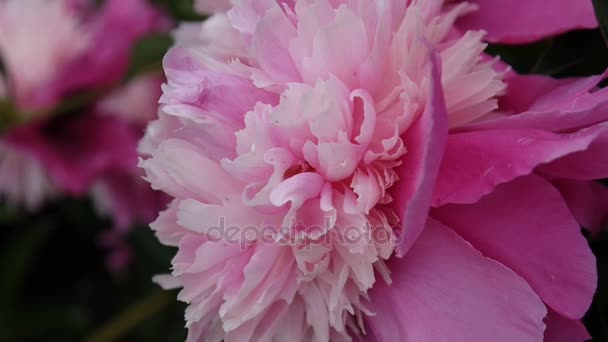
359,170
55,48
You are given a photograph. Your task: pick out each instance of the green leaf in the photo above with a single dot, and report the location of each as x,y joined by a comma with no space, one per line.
577,53
147,54
601,12
523,58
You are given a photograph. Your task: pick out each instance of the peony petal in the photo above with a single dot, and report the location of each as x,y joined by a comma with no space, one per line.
270,43
543,245
588,164
190,82
181,168
425,142
550,105
444,290
561,329
166,228
476,162
522,21
231,222
588,202
337,49
524,90
297,189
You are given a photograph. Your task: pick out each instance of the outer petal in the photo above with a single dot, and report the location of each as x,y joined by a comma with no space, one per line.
588,202
522,21
425,142
182,169
543,245
190,83
561,329
524,90
476,162
444,290
553,105
588,164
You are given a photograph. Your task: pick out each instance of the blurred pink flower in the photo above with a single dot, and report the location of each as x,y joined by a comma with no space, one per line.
56,48
53,50
359,170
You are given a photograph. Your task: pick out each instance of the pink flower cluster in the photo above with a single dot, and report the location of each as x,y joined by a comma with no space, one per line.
435,195
59,52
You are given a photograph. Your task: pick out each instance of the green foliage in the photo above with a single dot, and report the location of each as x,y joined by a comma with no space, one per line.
601,13
147,54
576,53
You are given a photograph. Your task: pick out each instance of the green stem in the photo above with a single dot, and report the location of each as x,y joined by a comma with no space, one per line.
130,318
